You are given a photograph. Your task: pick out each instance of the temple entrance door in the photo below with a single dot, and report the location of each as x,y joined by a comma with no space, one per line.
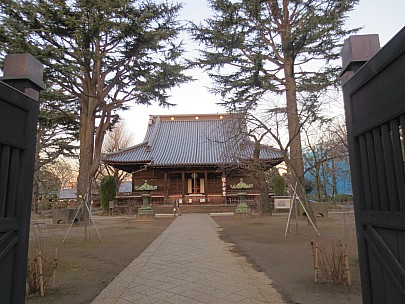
195,184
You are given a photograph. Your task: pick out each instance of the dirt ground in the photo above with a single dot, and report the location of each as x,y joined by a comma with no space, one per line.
86,267
288,261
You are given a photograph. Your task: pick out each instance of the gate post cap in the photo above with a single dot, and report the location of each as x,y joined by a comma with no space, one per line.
23,67
357,50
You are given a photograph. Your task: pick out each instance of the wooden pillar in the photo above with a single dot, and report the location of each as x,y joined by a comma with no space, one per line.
206,185
165,187
133,182
183,184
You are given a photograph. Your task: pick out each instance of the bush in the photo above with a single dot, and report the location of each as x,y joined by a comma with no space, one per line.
342,198
309,186
315,198
278,185
45,205
108,190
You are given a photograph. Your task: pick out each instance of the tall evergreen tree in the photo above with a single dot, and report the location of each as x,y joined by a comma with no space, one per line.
58,124
57,134
108,54
254,47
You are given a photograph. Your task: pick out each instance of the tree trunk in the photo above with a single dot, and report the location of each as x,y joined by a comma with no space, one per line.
294,126
318,186
91,140
264,195
333,178
86,132
87,125
260,179
35,186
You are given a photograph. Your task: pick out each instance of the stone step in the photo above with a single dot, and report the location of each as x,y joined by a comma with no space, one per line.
195,209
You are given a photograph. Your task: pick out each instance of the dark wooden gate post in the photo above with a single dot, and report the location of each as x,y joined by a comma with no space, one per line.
374,96
19,93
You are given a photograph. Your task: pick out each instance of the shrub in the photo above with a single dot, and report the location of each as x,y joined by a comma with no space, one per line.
343,198
45,205
315,198
309,186
108,190
278,185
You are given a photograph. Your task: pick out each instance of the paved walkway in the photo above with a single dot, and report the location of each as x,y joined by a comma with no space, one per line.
188,263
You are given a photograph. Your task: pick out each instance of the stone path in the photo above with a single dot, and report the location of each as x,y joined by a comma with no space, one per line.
189,263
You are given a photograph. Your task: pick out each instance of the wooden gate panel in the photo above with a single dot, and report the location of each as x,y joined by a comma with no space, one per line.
380,194
12,182
375,281
18,119
381,169
375,118
384,246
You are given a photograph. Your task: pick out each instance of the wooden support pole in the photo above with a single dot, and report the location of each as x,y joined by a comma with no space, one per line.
349,278
316,263
296,218
342,267
54,267
41,275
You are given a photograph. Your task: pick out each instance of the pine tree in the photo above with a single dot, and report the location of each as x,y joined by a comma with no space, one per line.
57,133
108,54
254,47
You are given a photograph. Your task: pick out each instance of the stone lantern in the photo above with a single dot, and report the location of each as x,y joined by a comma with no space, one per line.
242,210
145,212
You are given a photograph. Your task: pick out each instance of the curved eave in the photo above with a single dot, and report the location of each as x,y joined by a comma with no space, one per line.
126,150
267,163
139,162
134,166
127,166
272,162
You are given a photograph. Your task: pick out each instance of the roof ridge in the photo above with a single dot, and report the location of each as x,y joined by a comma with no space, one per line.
152,137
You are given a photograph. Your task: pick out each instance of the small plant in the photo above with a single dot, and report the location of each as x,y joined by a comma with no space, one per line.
108,190
40,270
130,213
278,184
61,204
343,198
45,205
317,198
42,259
331,263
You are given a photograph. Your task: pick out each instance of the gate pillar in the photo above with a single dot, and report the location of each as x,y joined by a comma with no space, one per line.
19,107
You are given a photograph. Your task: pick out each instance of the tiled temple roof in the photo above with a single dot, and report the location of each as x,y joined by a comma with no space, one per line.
191,140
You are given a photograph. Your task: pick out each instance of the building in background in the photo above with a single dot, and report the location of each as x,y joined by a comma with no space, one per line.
193,158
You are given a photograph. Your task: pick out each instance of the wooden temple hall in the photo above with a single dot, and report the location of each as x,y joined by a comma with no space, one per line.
191,158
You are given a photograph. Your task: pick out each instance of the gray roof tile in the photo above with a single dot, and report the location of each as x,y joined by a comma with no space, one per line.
188,141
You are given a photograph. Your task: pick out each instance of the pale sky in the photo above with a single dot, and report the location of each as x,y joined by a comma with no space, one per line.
385,18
